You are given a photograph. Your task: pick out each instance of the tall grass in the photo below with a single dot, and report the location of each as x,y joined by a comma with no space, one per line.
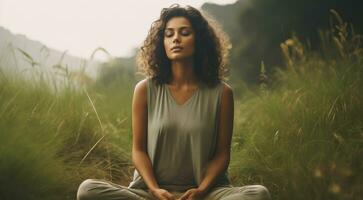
303,137
50,139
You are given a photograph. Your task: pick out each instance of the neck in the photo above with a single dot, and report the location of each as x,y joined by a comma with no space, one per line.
183,73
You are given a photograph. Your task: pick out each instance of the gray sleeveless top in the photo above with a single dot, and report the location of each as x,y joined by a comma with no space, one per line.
181,139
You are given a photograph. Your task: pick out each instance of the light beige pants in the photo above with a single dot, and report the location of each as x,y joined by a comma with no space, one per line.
93,189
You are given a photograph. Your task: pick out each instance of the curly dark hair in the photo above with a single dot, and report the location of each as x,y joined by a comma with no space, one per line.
210,53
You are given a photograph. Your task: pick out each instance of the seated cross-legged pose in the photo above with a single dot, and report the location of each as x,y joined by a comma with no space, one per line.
182,117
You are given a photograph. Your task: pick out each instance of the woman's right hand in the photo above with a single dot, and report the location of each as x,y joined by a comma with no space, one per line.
162,194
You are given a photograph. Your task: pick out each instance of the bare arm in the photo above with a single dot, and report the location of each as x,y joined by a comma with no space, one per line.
140,157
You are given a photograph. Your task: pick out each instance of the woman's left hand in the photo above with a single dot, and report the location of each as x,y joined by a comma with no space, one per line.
192,194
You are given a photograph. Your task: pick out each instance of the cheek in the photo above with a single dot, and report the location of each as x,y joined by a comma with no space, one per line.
191,44
165,44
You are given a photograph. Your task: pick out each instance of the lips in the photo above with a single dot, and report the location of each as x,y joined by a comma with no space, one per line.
176,48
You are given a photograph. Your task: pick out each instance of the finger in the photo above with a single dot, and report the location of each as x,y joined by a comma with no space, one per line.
191,196
168,195
185,195
163,196
160,197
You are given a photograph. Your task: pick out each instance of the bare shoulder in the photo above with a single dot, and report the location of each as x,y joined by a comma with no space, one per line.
227,91
141,86
140,91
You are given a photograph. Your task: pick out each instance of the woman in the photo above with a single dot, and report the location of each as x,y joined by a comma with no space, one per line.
182,117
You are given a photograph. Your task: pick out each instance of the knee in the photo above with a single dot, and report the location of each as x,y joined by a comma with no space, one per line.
262,192
84,190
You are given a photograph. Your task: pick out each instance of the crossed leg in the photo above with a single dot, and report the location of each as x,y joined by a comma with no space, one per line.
248,192
93,189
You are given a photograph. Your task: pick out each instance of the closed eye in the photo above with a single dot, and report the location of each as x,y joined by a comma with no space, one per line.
168,33
185,32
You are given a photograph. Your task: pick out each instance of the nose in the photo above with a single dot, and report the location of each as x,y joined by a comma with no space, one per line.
176,38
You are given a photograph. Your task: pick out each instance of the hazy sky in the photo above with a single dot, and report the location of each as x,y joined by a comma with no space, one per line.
80,26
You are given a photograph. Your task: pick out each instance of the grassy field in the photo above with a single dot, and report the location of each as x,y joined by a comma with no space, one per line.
303,136
300,133
50,141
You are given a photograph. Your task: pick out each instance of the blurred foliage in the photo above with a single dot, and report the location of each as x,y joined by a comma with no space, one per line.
263,25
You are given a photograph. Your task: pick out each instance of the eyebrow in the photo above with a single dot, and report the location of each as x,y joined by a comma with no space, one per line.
182,27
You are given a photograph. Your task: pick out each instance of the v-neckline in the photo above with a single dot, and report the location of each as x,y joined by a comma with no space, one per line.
186,101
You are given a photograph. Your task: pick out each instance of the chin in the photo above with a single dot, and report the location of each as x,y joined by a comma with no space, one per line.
179,57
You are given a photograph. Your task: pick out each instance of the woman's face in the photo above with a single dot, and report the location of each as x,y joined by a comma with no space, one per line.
179,39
